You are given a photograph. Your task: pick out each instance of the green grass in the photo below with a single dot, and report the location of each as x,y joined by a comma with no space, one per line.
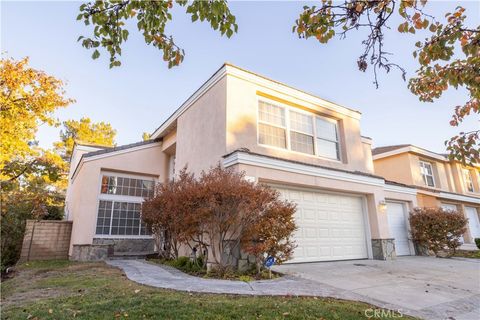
467,254
65,290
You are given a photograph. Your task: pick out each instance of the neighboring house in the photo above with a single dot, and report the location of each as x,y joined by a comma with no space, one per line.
440,182
310,149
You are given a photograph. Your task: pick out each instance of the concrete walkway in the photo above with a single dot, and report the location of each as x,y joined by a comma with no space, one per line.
332,279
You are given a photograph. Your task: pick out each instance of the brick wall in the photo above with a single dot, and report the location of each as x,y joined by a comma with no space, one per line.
46,240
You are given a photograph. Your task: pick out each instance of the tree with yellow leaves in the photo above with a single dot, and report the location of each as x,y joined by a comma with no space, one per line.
84,131
28,98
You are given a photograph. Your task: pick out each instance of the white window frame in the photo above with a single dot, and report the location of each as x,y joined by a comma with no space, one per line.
287,140
289,129
118,198
314,116
423,165
467,175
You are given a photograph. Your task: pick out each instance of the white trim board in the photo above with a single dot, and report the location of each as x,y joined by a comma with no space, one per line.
260,161
400,189
112,153
458,197
413,149
256,160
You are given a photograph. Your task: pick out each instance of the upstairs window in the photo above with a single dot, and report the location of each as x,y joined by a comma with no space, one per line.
272,125
468,180
301,132
327,138
426,169
298,131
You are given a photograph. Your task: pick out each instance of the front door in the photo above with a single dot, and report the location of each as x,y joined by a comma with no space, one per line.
398,227
473,222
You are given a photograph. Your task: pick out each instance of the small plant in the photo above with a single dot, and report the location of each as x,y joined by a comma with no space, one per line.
437,229
245,278
477,242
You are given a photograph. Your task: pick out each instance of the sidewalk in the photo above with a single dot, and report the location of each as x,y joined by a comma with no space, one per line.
166,277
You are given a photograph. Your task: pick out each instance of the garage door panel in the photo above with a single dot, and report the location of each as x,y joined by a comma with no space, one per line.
330,226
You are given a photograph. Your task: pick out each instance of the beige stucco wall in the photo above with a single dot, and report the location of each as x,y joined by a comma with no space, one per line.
395,168
427,201
201,135
85,187
405,168
241,125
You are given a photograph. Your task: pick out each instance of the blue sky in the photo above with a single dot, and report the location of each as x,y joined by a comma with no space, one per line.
139,95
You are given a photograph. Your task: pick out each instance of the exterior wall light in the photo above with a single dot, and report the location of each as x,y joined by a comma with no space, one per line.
382,206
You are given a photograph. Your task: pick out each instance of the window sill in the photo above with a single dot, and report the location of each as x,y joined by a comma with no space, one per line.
100,236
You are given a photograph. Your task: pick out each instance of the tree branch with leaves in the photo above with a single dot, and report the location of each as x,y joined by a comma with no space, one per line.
110,18
434,75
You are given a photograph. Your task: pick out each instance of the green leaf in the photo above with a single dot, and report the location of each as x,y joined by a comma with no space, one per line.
95,54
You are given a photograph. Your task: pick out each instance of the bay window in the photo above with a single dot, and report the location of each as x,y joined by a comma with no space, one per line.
297,130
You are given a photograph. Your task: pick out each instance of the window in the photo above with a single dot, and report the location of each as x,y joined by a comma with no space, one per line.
301,132
327,138
272,125
307,133
127,186
468,180
427,173
120,218
119,207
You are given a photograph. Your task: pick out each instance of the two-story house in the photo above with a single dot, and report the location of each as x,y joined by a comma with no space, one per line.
308,148
440,182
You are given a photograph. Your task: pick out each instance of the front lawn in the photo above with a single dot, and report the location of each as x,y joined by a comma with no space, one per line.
467,254
67,290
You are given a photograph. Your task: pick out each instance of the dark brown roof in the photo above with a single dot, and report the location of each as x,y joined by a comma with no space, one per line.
388,148
393,183
118,148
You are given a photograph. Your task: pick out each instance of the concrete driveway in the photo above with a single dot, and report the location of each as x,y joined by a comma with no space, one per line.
431,288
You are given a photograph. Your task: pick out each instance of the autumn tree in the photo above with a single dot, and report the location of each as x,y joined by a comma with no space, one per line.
237,212
170,214
449,57
28,98
84,131
220,214
271,227
145,136
32,180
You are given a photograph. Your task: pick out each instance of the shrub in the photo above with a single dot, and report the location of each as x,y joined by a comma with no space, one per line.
218,214
437,229
187,265
169,214
477,242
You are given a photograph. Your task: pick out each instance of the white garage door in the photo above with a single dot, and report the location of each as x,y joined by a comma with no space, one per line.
397,225
330,226
473,222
